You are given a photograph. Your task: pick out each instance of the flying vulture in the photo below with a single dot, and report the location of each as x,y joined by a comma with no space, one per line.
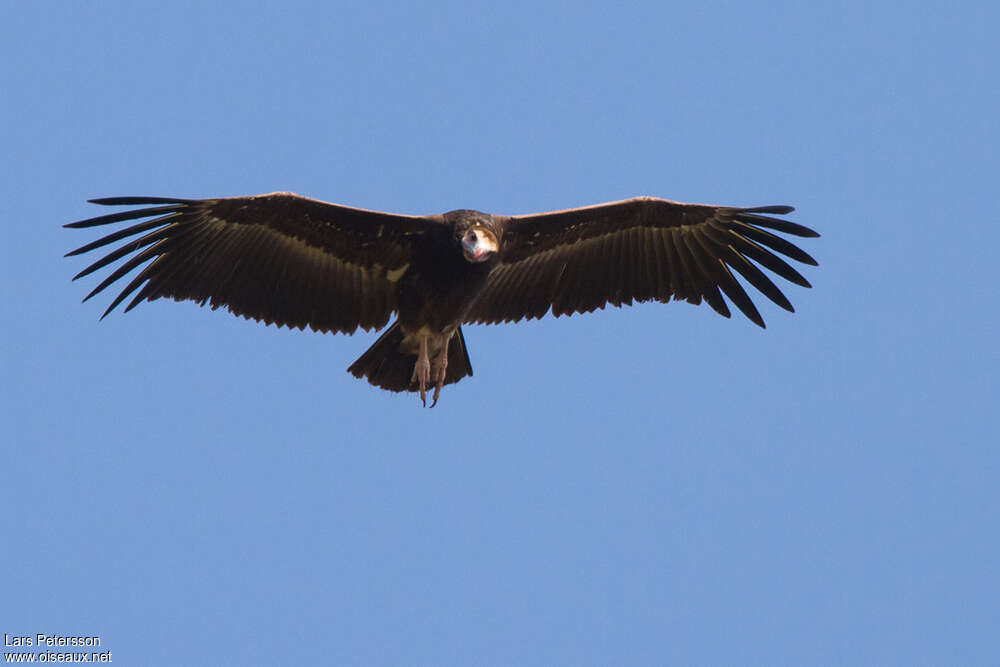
294,261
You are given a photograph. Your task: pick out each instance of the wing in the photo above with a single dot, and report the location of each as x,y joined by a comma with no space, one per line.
279,257
641,249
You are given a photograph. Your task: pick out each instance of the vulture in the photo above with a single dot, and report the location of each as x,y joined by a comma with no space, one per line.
293,261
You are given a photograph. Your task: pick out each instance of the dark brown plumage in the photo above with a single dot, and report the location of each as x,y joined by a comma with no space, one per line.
293,261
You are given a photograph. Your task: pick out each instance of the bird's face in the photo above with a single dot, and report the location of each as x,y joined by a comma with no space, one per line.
479,243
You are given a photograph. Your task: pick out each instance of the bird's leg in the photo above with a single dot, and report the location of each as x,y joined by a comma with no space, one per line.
438,372
422,370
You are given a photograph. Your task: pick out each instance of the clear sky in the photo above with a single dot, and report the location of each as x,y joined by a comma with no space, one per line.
649,485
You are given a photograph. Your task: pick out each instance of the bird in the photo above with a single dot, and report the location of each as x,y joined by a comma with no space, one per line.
289,260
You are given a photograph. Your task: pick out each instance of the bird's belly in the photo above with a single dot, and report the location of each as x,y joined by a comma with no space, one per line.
438,308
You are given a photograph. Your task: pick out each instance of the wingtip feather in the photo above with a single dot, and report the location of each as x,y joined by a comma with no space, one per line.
778,209
138,201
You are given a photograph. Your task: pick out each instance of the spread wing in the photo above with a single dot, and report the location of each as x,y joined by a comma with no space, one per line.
279,257
642,249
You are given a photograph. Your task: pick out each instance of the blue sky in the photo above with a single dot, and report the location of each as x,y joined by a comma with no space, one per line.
650,485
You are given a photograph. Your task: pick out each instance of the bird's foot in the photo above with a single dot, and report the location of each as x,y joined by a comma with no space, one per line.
438,372
422,372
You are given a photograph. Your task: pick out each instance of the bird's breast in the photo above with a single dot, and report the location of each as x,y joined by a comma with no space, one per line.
439,294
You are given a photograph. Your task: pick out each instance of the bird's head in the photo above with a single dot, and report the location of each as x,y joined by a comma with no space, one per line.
479,243
475,233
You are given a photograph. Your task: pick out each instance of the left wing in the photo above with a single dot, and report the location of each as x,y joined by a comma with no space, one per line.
280,258
642,249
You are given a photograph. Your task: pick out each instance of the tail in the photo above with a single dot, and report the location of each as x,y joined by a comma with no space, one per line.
386,366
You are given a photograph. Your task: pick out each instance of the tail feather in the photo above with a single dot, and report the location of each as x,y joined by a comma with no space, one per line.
385,365
459,364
